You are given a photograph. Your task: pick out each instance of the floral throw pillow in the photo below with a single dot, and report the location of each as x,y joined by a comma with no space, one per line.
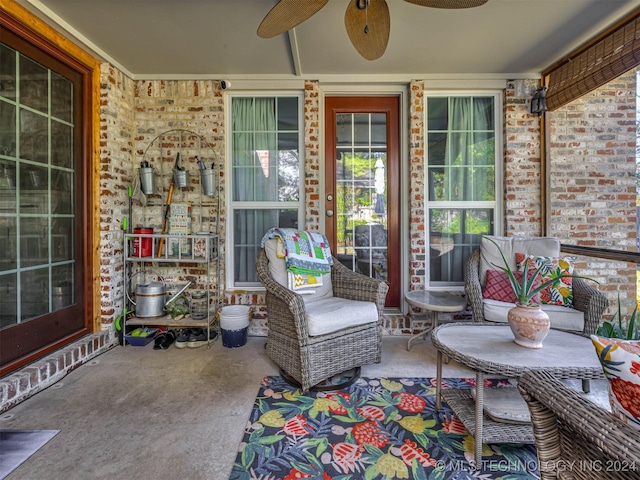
560,292
620,361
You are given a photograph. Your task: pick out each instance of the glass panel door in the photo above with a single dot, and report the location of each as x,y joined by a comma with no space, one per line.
41,259
361,187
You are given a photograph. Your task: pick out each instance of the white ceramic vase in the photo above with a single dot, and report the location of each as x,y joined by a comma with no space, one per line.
529,324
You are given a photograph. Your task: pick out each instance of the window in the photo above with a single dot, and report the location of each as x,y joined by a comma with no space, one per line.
266,171
462,169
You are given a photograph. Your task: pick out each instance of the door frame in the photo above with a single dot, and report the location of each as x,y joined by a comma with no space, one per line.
33,31
401,90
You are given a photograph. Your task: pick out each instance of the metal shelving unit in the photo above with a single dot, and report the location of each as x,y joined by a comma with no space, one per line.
204,250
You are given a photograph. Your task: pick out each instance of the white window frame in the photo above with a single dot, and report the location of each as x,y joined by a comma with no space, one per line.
497,205
232,205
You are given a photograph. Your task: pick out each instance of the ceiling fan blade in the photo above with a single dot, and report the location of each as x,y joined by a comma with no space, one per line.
287,14
368,25
448,3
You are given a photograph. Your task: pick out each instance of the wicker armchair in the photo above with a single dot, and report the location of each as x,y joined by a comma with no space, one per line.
313,359
587,299
575,438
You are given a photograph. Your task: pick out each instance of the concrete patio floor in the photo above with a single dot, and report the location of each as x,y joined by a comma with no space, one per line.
138,413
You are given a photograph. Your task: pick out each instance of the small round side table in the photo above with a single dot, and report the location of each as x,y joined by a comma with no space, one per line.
434,302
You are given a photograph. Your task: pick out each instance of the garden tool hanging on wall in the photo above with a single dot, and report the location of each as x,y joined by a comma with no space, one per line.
172,186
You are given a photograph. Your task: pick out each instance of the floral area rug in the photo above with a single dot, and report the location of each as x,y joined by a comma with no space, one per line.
378,428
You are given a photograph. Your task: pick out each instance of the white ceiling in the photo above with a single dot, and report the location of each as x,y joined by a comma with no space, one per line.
217,38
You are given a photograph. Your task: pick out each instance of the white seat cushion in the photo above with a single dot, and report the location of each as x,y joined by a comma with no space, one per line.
329,315
561,318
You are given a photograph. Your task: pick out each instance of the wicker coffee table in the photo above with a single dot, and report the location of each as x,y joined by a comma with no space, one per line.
489,349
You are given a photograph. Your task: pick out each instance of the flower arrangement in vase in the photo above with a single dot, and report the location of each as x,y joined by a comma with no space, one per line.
529,323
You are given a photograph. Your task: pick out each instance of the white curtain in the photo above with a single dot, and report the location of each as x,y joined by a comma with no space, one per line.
254,147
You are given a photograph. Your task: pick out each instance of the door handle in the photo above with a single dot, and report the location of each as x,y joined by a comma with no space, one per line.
329,213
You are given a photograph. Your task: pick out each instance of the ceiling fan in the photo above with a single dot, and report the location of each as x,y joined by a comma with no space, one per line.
367,21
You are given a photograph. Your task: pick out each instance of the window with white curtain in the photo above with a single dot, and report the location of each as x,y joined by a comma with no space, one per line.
463,161
266,172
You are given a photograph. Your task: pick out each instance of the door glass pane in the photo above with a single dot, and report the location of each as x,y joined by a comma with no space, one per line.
34,135
34,293
61,97
34,85
61,192
344,129
361,190
7,129
34,241
33,190
361,129
8,296
61,144
8,69
62,288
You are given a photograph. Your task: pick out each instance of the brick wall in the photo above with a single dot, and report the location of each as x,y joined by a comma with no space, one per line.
116,149
186,118
37,376
163,105
417,266
593,181
522,212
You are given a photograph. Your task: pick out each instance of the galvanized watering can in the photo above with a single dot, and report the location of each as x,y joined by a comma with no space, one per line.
151,299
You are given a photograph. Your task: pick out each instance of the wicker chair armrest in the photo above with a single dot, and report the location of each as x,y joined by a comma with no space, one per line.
355,286
552,403
289,305
472,286
591,301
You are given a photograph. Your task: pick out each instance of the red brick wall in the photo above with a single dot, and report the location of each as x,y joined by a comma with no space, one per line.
417,266
522,180
134,113
116,156
592,183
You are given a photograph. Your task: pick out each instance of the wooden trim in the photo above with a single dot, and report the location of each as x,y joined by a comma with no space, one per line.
618,255
54,43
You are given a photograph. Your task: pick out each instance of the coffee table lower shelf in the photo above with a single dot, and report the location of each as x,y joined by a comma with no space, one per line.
464,406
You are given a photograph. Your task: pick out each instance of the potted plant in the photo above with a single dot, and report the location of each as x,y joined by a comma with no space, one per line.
617,343
529,323
618,327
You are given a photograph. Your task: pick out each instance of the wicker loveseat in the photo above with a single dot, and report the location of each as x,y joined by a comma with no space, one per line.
311,359
588,302
575,438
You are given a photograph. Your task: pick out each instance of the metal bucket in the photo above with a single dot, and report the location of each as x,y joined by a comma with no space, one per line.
147,180
181,178
208,182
